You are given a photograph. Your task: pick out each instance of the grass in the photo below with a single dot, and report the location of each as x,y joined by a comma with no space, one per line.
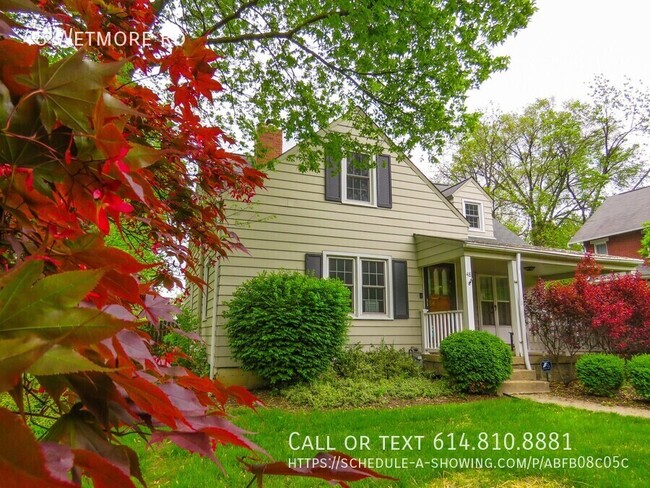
590,434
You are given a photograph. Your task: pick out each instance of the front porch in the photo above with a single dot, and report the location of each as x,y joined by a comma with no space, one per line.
480,286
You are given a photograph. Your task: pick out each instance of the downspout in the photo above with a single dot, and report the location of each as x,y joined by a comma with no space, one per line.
522,318
213,332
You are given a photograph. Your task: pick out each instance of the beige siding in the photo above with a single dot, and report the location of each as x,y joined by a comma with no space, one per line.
292,218
471,191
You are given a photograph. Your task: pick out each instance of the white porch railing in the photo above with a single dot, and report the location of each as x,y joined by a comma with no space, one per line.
438,325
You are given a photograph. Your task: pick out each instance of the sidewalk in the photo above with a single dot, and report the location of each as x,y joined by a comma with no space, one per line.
593,407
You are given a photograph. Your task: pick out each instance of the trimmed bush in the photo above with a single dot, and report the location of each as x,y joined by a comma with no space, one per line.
287,327
638,372
601,374
380,362
476,361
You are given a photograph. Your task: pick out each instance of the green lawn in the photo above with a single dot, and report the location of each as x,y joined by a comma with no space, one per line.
596,435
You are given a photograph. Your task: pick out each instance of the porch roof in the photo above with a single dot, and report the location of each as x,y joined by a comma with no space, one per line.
532,253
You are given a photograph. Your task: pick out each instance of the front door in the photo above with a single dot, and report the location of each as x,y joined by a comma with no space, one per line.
494,306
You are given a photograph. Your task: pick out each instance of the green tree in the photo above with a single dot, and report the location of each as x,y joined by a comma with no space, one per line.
302,64
645,241
548,168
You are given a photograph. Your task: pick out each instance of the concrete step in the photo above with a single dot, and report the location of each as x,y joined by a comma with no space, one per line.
523,375
523,387
518,363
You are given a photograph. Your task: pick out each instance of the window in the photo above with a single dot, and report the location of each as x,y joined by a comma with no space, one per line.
351,180
343,269
373,287
368,279
600,247
359,180
474,215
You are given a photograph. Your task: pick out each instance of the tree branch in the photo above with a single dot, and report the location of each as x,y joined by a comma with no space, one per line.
229,18
259,36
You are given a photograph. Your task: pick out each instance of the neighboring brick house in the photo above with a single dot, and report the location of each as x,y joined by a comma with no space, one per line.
615,228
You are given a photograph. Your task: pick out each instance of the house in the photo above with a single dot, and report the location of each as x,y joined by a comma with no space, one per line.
422,261
615,228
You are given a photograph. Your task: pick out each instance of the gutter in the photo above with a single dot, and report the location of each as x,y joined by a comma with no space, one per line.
213,331
537,251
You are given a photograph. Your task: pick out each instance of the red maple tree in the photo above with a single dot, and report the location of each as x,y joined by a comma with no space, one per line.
86,146
595,311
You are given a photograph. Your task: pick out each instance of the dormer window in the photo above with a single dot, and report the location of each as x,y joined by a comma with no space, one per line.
474,215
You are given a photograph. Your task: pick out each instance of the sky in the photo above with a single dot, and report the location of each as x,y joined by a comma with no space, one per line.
566,44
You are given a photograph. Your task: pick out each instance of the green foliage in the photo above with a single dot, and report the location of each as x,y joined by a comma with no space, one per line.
571,153
288,327
380,362
638,373
360,378
135,241
476,361
407,64
601,374
360,392
645,241
192,354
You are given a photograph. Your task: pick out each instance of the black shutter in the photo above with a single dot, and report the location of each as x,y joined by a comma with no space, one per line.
314,264
400,289
332,179
384,188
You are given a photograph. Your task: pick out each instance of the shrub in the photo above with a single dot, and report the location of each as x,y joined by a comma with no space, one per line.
287,327
638,370
380,362
476,361
601,374
359,392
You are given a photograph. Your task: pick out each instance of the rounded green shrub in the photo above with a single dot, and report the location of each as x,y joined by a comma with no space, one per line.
638,372
476,361
601,374
287,327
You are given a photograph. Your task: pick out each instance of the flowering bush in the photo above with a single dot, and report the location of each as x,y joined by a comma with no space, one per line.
610,313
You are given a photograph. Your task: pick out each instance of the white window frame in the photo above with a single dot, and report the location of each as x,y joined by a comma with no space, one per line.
481,215
601,242
357,313
372,172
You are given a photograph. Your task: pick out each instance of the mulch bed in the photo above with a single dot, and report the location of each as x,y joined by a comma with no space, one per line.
626,397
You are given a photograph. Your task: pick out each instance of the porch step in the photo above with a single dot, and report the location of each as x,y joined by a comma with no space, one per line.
523,375
523,387
518,363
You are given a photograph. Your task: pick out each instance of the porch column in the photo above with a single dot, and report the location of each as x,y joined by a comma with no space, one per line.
467,292
515,303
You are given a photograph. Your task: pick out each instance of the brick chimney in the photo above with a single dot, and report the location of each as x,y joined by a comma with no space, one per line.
269,143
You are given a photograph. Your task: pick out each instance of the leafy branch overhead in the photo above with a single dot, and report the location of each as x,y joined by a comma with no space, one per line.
88,149
302,64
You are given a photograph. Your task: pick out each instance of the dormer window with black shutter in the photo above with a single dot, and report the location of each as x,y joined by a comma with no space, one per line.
354,182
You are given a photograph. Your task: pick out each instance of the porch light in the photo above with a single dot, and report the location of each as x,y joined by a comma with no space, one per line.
529,268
